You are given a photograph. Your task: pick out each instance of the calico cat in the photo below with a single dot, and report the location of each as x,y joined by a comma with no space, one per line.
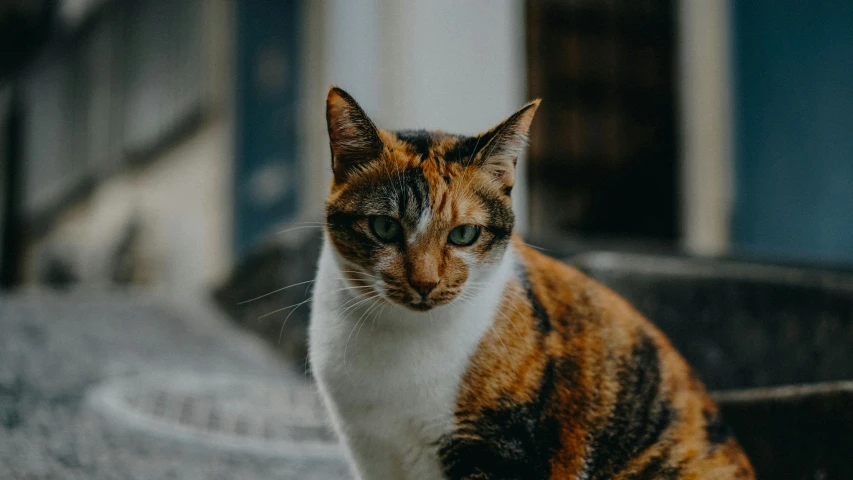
444,347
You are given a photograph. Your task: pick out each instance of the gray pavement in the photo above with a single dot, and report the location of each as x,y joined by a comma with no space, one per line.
58,351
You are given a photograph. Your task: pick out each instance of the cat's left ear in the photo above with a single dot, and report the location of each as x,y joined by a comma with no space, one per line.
505,143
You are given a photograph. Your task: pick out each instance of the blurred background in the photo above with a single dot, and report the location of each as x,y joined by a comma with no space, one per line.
178,147
162,142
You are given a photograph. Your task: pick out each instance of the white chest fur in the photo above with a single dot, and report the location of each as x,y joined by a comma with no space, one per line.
389,376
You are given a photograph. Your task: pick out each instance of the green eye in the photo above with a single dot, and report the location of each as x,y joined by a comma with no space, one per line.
464,235
385,228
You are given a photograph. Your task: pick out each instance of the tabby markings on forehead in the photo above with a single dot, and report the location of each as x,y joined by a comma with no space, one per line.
420,141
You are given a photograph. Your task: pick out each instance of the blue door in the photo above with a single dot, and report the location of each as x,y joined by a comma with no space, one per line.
267,168
794,128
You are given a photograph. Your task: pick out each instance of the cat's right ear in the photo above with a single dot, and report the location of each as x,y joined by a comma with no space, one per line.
353,137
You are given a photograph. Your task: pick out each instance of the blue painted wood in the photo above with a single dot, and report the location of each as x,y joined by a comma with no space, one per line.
267,170
793,99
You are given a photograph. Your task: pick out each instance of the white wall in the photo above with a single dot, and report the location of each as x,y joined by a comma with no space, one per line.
183,200
453,65
183,197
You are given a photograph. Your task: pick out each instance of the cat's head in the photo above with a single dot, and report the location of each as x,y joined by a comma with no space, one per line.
420,217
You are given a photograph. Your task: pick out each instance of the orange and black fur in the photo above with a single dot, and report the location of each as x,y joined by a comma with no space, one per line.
566,380
589,389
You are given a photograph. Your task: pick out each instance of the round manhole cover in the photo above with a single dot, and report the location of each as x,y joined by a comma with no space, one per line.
248,414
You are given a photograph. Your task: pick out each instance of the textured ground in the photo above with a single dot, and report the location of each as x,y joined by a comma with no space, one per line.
54,348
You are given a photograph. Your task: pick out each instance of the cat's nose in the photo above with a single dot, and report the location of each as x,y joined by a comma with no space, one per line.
423,273
423,286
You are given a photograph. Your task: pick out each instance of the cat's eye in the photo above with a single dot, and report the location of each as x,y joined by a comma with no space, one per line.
464,235
385,228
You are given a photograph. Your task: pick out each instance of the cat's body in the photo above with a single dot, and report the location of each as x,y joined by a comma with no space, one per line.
443,353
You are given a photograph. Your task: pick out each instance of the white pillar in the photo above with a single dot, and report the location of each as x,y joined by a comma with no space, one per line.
452,65
706,122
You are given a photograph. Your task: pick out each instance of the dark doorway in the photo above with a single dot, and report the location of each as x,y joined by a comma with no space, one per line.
603,154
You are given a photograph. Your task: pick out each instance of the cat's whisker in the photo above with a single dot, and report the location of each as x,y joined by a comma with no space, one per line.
281,330
359,272
508,354
352,306
346,345
377,315
466,295
512,305
466,300
349,287
537,248
296,305
276,291
299,228
373,307
305,365
281,309
514,326
357,301
358,290
355,325
509,303
355,304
